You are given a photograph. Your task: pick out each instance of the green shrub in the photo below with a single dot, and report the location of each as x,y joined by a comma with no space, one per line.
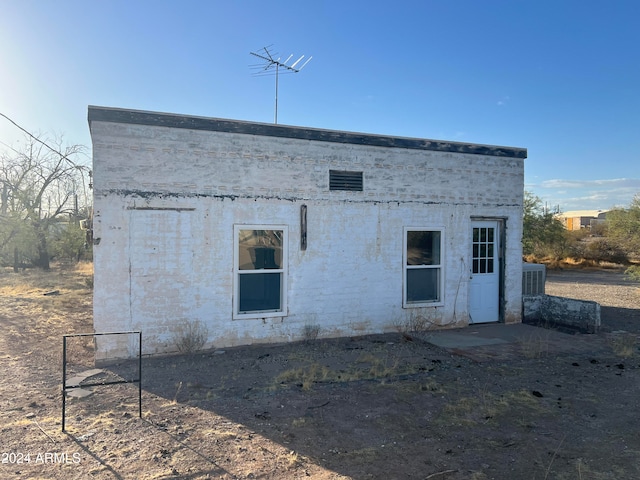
633,273
604,250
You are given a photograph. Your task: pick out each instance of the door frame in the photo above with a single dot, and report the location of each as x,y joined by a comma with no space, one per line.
502,228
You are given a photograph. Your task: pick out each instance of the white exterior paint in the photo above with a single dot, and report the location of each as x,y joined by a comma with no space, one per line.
484,290
166,201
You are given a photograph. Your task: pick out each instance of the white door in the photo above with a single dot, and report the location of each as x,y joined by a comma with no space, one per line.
484,292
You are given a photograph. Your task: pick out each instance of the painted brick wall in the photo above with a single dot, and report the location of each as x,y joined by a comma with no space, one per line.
166,160
166,200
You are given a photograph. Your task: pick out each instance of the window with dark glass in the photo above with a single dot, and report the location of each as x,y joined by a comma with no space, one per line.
423,266
260,270
483,250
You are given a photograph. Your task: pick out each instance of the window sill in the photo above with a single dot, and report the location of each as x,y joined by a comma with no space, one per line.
258,315
423,304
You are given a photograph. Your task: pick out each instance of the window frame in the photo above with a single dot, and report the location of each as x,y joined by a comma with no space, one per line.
282,312
440,267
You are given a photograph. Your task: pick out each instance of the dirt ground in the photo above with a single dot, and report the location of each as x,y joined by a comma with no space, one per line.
379,407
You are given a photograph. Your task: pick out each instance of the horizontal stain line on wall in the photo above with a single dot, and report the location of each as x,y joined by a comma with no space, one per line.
172,209
161,195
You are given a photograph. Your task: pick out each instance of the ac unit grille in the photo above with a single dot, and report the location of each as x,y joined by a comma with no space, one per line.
533,279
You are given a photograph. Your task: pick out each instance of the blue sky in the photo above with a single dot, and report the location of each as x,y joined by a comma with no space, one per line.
560,78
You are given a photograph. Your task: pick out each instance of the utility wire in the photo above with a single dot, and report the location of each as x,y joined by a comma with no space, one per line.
64,157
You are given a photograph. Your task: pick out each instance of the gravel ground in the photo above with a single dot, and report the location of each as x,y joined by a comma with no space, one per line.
618,297
375,407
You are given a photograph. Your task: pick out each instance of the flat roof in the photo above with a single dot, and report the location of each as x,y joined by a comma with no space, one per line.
170,120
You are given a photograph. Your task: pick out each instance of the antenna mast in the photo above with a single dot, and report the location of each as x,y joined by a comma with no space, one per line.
271,65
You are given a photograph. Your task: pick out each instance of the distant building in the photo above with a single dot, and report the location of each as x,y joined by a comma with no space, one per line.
579,219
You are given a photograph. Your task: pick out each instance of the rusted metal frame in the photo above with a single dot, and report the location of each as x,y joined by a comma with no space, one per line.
66,387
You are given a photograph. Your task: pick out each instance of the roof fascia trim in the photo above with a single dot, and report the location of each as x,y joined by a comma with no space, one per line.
140,117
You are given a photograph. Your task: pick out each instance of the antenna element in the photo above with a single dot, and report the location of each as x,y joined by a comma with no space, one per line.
271,66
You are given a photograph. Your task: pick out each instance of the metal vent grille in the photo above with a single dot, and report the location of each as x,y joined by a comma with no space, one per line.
533,279
344,180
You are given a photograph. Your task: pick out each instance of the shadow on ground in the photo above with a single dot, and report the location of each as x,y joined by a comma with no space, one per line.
384,407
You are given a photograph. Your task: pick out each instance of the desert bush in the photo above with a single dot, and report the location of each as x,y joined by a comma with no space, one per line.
310,332
190,336
417,323
625,345
623,226
633,273
603,250
543,234
69,243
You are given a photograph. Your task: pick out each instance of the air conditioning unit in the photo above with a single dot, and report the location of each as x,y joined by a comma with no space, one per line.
534,276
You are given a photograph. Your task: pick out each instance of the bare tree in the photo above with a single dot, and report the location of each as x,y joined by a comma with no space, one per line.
38,185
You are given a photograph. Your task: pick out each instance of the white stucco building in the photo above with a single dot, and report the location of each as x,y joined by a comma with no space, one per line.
259,230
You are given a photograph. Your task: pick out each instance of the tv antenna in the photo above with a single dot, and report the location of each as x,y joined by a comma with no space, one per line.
271,65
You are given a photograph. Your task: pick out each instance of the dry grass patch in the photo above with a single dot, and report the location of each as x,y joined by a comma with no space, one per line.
37,282
553,263
485,407
294,460
432,386
20,422
624,345
366,367
45,299
306,376
365,454
220,434
534,346
299,422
